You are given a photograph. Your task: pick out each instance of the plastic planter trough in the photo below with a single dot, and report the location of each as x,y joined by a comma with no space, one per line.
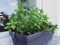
40,38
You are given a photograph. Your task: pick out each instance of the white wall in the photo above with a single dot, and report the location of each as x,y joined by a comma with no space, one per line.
58,15
52,8
39,4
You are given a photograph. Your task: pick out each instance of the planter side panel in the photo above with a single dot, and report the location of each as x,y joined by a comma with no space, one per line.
42,40
20,40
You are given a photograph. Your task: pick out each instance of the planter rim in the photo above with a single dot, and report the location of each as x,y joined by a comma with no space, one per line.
33,36
34,33
29,37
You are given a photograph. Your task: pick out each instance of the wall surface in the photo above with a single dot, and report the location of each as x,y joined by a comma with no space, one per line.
39,4
58,19
51,7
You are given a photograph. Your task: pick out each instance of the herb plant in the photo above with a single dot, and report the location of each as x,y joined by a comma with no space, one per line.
28,22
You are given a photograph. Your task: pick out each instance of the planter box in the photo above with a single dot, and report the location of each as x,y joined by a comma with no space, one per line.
5,38
41,38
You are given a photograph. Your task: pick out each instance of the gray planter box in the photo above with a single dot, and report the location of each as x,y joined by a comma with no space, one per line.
41,38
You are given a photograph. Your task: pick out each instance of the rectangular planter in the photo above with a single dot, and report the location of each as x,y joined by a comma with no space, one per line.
40,38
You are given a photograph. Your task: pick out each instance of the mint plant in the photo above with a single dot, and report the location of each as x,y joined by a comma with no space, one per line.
28,22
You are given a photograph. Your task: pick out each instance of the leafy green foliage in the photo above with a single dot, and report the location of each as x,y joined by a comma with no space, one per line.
25,21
